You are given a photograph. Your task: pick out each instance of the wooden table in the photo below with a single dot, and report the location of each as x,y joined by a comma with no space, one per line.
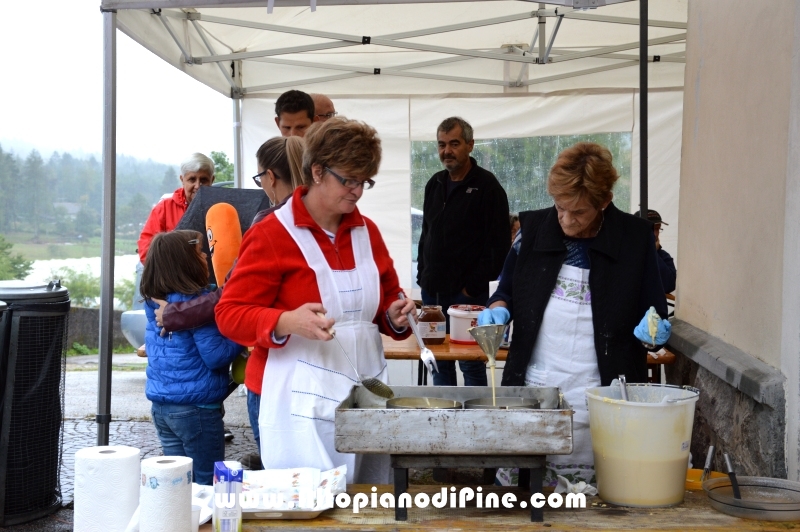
695,514
409,350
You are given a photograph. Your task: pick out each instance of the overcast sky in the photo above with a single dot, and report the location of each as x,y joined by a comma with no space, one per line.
51,95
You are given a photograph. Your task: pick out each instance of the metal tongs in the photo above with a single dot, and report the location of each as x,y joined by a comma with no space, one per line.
425,354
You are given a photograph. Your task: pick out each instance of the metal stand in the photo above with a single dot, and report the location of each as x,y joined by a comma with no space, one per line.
531,469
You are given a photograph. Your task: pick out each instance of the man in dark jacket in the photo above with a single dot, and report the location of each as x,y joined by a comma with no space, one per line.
464,238
666,266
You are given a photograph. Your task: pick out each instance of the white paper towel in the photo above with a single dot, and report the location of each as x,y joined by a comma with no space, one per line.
165,496
106,488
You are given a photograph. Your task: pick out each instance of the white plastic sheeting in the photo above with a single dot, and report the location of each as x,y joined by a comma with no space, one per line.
402,120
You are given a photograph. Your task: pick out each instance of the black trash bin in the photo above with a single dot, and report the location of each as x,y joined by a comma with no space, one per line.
33,348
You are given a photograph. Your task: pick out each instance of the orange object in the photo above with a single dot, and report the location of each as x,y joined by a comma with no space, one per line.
224,238
693,478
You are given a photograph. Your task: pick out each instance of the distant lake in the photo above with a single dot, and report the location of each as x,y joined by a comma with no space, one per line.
124,267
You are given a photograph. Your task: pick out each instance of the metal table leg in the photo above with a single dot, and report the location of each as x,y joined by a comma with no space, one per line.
524,479
537,514
400,487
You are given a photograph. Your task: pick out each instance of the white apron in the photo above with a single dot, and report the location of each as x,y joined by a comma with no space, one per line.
306,380
564,355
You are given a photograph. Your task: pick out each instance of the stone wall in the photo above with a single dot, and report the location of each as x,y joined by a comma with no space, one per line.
741,403
84,328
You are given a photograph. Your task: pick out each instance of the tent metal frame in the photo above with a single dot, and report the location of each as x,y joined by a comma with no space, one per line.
544,53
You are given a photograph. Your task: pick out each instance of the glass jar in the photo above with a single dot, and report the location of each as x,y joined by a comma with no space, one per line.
432,325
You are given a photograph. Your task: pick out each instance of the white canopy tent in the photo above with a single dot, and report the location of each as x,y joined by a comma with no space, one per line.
510,68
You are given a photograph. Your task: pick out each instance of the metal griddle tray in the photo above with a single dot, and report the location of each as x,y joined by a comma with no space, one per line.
364,425
766,499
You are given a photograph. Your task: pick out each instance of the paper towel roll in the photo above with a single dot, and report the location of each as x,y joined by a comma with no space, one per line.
165,495
106,488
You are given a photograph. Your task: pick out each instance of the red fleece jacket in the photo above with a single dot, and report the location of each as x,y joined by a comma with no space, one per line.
272,276
163,218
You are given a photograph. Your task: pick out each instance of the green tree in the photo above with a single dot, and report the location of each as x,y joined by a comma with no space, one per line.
36,192
9,176
87,222
12,266
84,288
170,181
123,293
132,216
223,167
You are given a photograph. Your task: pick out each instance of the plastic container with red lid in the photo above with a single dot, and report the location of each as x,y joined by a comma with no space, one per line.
463,317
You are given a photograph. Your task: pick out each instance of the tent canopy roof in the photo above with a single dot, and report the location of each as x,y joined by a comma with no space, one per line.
348,48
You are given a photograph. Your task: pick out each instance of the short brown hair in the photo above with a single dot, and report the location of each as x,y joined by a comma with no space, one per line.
350,145
173,265
584,170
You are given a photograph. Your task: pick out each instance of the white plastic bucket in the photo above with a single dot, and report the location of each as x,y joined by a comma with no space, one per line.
462,317
641,446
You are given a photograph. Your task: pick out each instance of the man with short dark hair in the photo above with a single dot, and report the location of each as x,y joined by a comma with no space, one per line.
464,239
323,108
294,113
666,266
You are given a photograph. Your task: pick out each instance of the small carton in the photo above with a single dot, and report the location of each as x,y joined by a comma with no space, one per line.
228,477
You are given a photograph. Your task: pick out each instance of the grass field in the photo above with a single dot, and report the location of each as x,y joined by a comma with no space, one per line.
56,247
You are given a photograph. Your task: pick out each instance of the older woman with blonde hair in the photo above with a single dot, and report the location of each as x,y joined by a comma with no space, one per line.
578,279
312,264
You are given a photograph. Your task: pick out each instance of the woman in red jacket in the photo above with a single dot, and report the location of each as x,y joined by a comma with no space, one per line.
196,171
314,263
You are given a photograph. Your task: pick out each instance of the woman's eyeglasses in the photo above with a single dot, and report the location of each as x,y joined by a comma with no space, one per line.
352,183
257,178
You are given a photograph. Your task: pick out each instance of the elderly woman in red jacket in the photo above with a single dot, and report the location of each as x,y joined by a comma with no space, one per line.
310,265
196,171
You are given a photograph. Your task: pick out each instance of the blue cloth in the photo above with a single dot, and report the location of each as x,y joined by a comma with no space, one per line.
187,367
642,331
578,252
474,371
187,430
253,409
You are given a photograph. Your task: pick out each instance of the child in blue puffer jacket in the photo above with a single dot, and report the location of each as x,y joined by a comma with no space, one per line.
187,371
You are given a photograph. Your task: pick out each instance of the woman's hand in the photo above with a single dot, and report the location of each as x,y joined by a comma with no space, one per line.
305,321
397,312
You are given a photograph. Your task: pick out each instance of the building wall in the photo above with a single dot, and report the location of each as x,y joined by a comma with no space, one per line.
739,239
733,171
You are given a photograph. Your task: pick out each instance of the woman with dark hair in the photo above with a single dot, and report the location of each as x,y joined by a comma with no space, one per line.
187,371
578,279
314,263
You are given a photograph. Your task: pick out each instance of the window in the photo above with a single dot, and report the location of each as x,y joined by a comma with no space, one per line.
521,165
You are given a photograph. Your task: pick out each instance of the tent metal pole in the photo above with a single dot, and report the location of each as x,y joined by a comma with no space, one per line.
552,39
523,71
186,57
103,417
299,82
239,56
577,15
542,36
237,142
211,50
577,73
643,108
620,47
